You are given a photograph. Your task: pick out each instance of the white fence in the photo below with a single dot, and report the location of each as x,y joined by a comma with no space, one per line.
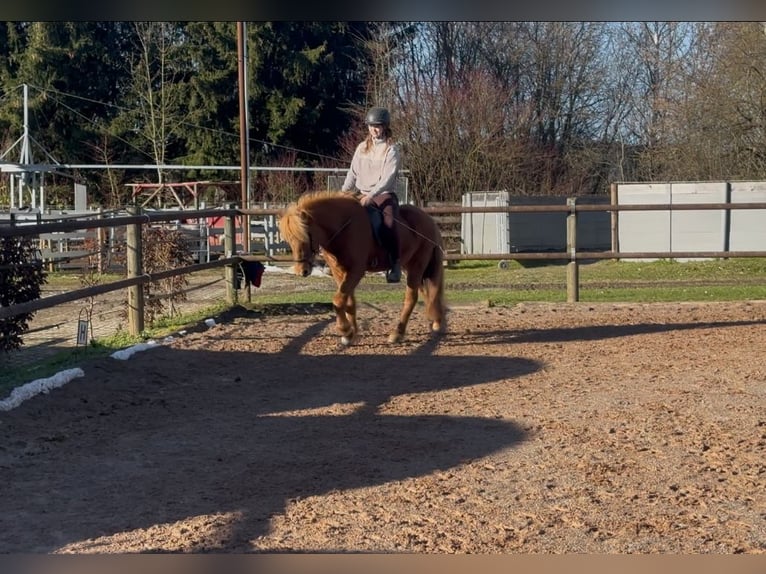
692,230
483,233
687,230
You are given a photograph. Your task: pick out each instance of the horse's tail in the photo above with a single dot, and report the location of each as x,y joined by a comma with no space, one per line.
433,285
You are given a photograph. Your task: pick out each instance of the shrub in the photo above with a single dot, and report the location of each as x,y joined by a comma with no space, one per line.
21,278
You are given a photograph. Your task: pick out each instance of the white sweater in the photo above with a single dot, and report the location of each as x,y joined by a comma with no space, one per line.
373,172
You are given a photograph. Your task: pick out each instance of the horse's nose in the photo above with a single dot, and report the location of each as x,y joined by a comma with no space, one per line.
305,272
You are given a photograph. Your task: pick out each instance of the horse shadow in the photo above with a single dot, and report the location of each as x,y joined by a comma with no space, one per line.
598,332
233,435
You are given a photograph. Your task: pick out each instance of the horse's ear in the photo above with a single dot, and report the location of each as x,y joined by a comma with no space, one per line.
304,215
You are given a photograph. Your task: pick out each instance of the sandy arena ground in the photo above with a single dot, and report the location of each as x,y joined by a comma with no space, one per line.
542,428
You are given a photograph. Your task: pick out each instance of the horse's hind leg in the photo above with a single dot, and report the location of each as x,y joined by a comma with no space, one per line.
435,310
410,299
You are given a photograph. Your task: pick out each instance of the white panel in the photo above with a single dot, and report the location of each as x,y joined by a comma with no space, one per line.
484,233
748,226
703,230
466,227
643,231
528,231
80,198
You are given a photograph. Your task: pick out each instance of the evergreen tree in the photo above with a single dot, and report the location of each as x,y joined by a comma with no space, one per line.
304,79
212,134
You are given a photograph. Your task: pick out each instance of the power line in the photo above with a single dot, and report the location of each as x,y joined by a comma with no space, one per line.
52,92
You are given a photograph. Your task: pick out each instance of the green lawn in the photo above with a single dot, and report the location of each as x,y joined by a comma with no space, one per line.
736,279
602,281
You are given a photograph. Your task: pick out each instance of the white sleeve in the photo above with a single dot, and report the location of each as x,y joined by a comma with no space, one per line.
350,181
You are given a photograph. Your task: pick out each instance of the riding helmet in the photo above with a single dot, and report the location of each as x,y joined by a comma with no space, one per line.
377,116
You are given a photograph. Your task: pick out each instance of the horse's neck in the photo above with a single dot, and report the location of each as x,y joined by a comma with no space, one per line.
331,224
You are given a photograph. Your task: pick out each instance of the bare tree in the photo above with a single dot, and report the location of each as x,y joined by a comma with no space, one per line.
451,113
663,52
157,88
110,179
540,87
562,73
723,120
568,107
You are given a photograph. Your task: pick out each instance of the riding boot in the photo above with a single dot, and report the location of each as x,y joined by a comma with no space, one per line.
394,274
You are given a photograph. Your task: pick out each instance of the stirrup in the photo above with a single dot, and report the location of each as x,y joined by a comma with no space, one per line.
394,275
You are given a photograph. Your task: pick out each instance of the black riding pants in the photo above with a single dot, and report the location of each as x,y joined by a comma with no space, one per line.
388,204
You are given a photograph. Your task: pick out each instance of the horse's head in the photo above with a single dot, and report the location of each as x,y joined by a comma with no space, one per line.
294,226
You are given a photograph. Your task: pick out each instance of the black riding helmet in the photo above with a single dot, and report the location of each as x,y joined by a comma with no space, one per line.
377,116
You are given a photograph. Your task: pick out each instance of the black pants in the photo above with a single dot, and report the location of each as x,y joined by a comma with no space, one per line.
388,204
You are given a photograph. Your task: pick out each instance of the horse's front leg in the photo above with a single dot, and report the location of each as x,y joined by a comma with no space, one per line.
345,312
410,299
344,302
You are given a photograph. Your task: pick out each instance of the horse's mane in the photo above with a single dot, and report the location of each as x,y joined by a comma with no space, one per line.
307,200
293,226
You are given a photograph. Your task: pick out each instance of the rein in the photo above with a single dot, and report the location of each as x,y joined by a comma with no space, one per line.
415,232
341,228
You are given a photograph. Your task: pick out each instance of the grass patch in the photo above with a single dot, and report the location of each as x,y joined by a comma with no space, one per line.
610,270
165,326
11,376
602,281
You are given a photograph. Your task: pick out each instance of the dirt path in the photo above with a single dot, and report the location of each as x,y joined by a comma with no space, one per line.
55,329
543,428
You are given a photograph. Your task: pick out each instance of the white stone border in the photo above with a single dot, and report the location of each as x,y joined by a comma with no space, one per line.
29,390
43,386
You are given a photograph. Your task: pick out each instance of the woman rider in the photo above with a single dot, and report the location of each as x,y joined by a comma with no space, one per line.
373,172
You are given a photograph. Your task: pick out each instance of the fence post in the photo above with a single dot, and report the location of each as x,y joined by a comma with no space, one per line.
573,271
135,266
229,235
101,244
614,219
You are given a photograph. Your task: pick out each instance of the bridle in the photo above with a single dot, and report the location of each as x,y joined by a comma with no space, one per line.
308,260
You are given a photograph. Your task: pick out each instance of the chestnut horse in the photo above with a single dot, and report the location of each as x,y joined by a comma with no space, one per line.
338,224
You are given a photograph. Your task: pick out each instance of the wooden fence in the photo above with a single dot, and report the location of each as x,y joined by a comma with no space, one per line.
82,249
136,277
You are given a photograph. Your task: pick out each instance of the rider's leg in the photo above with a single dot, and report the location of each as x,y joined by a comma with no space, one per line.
389,206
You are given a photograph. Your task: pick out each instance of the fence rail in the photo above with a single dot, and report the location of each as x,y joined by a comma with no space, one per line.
137,277
594,207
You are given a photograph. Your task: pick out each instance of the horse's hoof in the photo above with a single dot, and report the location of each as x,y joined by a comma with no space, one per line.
394,338
439,327
346,341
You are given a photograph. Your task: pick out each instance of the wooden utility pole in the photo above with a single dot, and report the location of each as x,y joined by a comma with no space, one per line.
243,133
244,148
